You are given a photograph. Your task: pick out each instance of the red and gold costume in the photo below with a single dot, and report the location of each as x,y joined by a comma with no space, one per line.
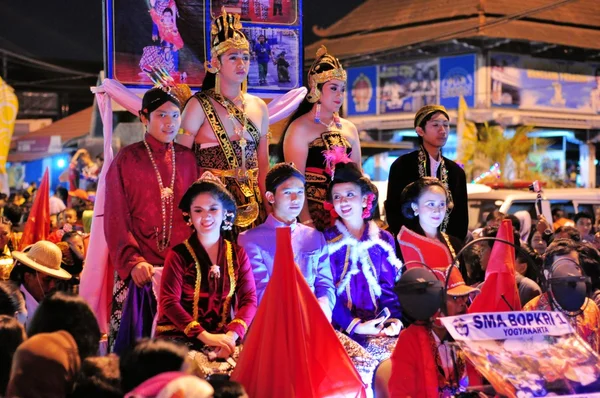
586,324
134,219
436,253
193,299
132,213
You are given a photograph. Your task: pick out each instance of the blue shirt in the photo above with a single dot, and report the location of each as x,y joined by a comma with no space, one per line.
263,52
310,255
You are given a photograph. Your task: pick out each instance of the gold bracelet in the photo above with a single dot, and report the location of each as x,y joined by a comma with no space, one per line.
185,132
308,222
190,326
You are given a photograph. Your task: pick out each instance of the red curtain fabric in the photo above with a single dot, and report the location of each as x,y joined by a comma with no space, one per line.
499,277
38,223
291,350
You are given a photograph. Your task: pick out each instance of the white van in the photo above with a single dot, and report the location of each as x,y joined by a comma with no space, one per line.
508,201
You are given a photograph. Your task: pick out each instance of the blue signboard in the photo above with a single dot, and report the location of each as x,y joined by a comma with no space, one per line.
457,77
362,91
525,82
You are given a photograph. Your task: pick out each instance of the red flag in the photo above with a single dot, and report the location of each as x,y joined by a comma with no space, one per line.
499,292
291,349
38,223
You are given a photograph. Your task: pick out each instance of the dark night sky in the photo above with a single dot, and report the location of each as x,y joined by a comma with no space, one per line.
69,32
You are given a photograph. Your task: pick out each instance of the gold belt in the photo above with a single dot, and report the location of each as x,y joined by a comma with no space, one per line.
252,173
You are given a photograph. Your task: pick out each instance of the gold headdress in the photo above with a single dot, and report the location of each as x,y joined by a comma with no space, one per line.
163,80
207,176
225,33
325,68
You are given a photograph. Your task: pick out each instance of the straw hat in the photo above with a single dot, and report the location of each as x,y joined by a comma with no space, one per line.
45,257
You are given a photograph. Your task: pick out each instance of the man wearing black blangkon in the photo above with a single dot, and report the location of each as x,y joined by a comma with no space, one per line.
432,125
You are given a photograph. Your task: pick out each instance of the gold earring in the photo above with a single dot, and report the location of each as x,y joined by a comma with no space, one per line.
217,83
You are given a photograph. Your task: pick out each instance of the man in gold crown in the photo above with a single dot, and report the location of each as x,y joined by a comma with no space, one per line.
145,182
227,127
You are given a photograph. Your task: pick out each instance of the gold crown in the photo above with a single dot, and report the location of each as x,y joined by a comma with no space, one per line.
317,76
226,33
207,176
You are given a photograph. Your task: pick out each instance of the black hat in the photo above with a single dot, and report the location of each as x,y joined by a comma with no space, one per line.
568,285
280,173
154,98
420,293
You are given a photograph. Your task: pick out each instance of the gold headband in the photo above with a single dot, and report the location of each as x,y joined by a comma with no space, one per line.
316,77
428,110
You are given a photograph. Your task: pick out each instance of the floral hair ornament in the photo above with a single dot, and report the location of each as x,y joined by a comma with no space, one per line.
57,235
329,207
316,74
333,156
367,210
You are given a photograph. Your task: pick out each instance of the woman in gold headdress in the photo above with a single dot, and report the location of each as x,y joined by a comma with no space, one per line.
316,137
227,127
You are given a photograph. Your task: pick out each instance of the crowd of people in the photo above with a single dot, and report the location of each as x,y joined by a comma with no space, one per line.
190,229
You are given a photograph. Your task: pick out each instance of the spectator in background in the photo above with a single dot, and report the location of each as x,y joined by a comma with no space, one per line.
99,378
37,272
559,219
589,259
12,334
528,289
62,311
12,302
567,232
6,260
3,202
57,205
584,223
149,358
45,365
228,389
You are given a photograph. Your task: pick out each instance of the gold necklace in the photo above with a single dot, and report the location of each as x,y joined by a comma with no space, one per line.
163,239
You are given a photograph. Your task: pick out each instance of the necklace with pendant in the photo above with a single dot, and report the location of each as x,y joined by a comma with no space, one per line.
240,131
163,238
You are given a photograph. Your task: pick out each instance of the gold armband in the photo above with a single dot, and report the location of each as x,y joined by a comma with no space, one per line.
185,132
241,322
190,326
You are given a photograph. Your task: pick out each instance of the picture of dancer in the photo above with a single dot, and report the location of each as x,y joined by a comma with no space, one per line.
164,28
155,33
284,12
274,62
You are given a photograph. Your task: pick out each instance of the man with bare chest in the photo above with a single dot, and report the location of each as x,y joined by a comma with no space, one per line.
227,127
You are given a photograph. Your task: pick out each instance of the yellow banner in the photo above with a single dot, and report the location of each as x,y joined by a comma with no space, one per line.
9,106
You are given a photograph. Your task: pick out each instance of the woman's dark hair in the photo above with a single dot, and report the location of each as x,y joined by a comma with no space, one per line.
69,235
62,311
167,10
99,377
531,273
589,259
413,191
147,359
351,172
12,335
213,188
11,299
